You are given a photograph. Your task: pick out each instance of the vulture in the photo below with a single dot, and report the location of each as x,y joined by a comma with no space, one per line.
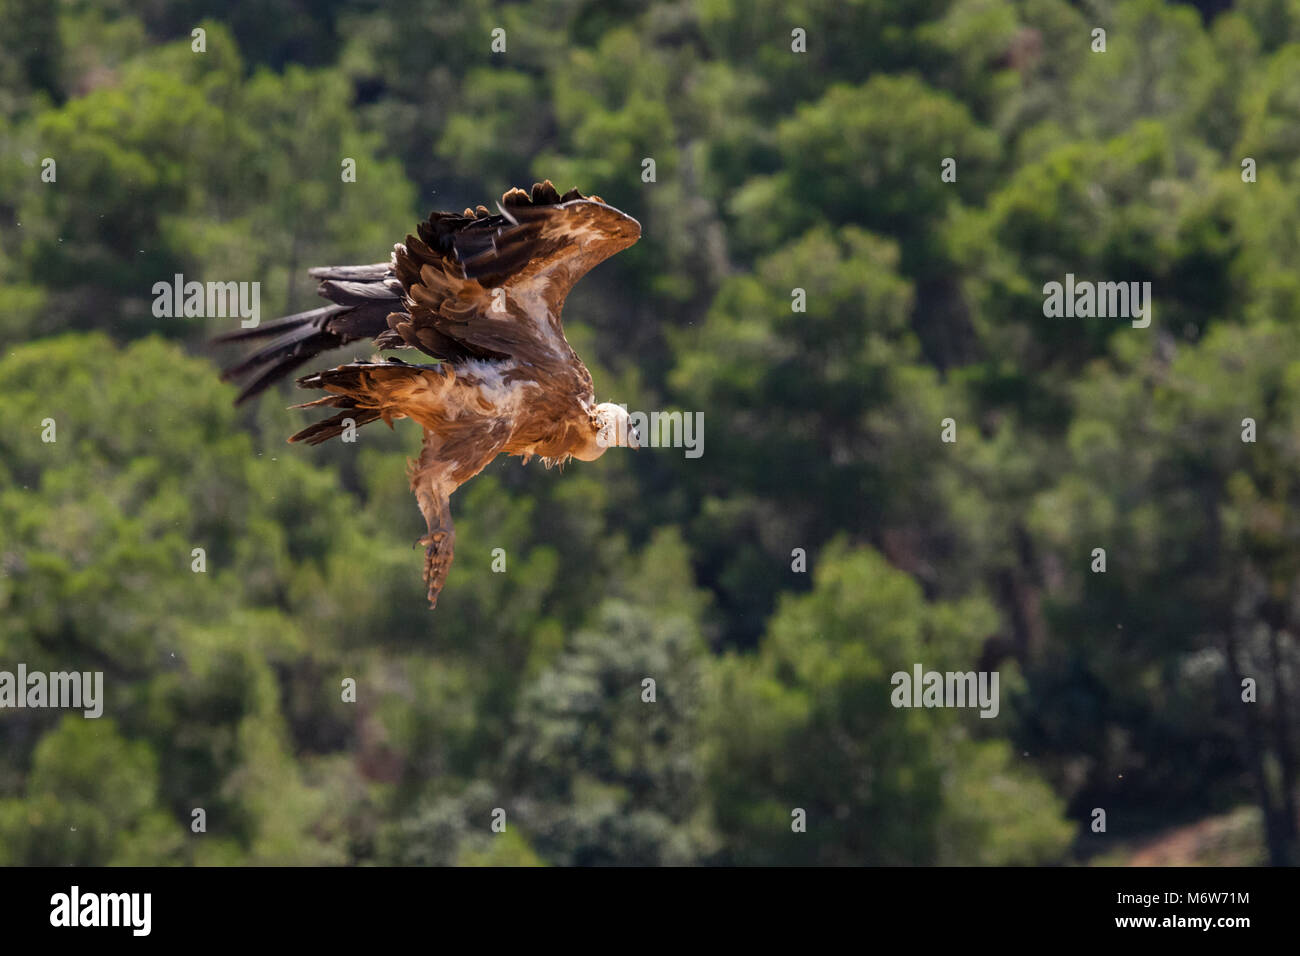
481,295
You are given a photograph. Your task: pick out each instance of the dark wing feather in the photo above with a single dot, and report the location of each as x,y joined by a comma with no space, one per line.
471,285
362,297
496,285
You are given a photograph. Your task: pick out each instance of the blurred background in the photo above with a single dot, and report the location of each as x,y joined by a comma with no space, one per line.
826,538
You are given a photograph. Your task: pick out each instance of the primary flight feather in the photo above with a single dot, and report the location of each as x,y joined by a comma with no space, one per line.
482,294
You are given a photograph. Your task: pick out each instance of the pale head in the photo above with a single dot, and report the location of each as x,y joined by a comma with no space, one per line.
611,428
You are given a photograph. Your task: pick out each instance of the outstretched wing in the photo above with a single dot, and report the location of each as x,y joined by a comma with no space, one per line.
472,285
494,286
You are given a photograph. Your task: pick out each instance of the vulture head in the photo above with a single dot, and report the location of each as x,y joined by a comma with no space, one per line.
611,428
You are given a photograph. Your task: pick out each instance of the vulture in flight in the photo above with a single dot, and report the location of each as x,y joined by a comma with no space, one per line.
481,294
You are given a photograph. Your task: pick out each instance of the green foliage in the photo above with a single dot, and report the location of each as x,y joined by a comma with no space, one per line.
775,171
184,165
606,767
91,800
871,154
807,723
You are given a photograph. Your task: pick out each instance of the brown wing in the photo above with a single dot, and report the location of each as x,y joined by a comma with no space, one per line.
493,286
442,290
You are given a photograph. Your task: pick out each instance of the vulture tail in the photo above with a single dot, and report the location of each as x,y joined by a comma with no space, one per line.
336,425
363,390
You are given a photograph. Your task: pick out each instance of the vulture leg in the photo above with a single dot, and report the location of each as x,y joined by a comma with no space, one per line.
439,549
432,483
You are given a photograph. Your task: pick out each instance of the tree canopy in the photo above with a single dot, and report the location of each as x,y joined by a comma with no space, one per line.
850,212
